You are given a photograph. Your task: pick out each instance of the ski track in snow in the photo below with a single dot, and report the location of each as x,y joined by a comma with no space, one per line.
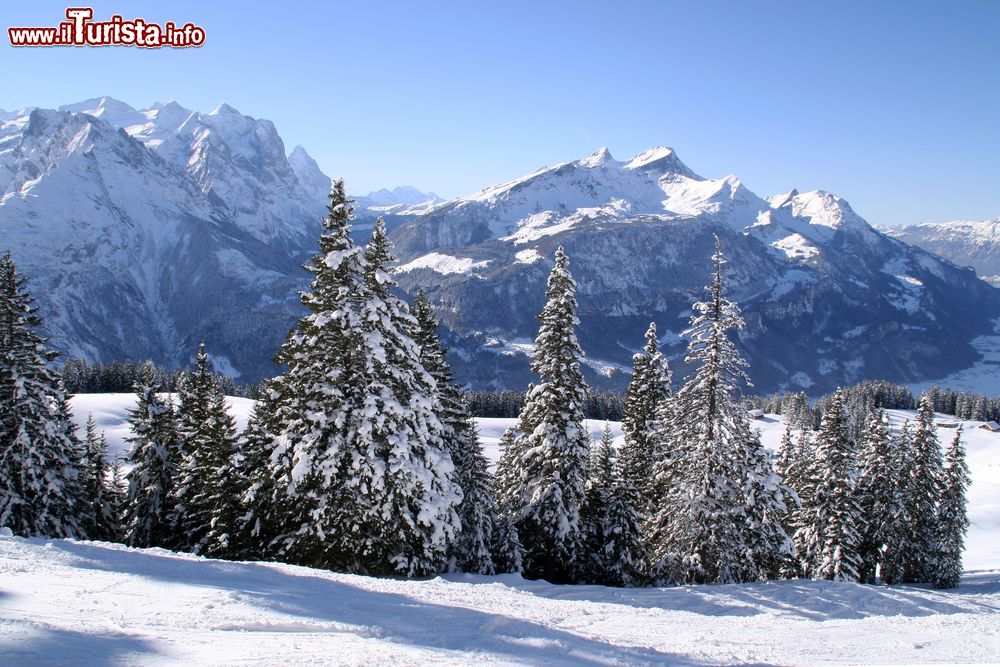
68,602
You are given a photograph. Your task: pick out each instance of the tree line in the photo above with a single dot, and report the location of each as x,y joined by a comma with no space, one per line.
362,456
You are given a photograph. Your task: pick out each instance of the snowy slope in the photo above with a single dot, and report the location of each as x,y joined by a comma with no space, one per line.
983,549
67,602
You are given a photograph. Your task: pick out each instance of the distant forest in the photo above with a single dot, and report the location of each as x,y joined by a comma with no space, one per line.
81,377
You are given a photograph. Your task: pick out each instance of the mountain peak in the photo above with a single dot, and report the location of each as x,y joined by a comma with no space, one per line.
599,157
224,109
777,201
659,158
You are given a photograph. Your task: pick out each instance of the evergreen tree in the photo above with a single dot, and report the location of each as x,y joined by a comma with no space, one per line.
613,519
258,523
648,395
205,494
553,443
880,497
508,552
361,472
40,456
892,567
828,539
769,549
952,518
923,495
154,455
697,529
309,402
103,500
477,511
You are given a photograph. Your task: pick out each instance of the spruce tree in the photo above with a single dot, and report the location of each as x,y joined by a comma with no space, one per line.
104,521
769,549
310,401
613,520
205,493
258,523
952,517
361,472
923,495
40,456
553,443
507,552
154,456
697,530
892,567
477,511
828,539
648,394
880,497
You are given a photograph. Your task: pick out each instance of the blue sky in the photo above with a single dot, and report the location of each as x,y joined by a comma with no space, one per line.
893,105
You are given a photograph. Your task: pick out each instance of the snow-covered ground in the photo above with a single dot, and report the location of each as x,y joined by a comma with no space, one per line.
66,602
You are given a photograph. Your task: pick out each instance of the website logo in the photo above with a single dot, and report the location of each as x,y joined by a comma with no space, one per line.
81,30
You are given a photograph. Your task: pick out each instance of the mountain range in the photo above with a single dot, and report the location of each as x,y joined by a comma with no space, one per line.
963,242
145,231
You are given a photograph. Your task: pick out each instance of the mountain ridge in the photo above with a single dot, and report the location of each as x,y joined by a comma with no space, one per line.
145,231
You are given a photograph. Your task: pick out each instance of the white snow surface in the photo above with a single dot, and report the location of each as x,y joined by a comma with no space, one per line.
71,602
443,264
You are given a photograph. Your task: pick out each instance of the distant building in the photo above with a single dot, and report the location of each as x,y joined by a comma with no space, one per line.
991,426
756,414
946,423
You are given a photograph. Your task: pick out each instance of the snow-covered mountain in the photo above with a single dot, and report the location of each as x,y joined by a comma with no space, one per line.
828,299
964,242
145,231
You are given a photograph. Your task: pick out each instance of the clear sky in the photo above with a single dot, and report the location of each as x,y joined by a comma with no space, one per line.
893,105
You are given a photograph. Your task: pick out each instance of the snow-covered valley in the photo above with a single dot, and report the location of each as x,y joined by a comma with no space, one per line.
67,602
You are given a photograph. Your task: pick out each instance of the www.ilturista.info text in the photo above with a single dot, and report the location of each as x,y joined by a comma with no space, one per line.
80,30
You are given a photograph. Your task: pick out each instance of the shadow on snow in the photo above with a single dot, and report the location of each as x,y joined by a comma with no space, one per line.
390,617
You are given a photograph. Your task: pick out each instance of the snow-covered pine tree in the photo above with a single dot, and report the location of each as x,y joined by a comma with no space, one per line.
953,520
880,497
553,445
828,539
892,567
307,408
923,495
471,550
594,515
40,456
154,455
648,394
258,523
613,520
205,494
361,463
395,440
508,485
696,531
770,552
117,491
103,520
